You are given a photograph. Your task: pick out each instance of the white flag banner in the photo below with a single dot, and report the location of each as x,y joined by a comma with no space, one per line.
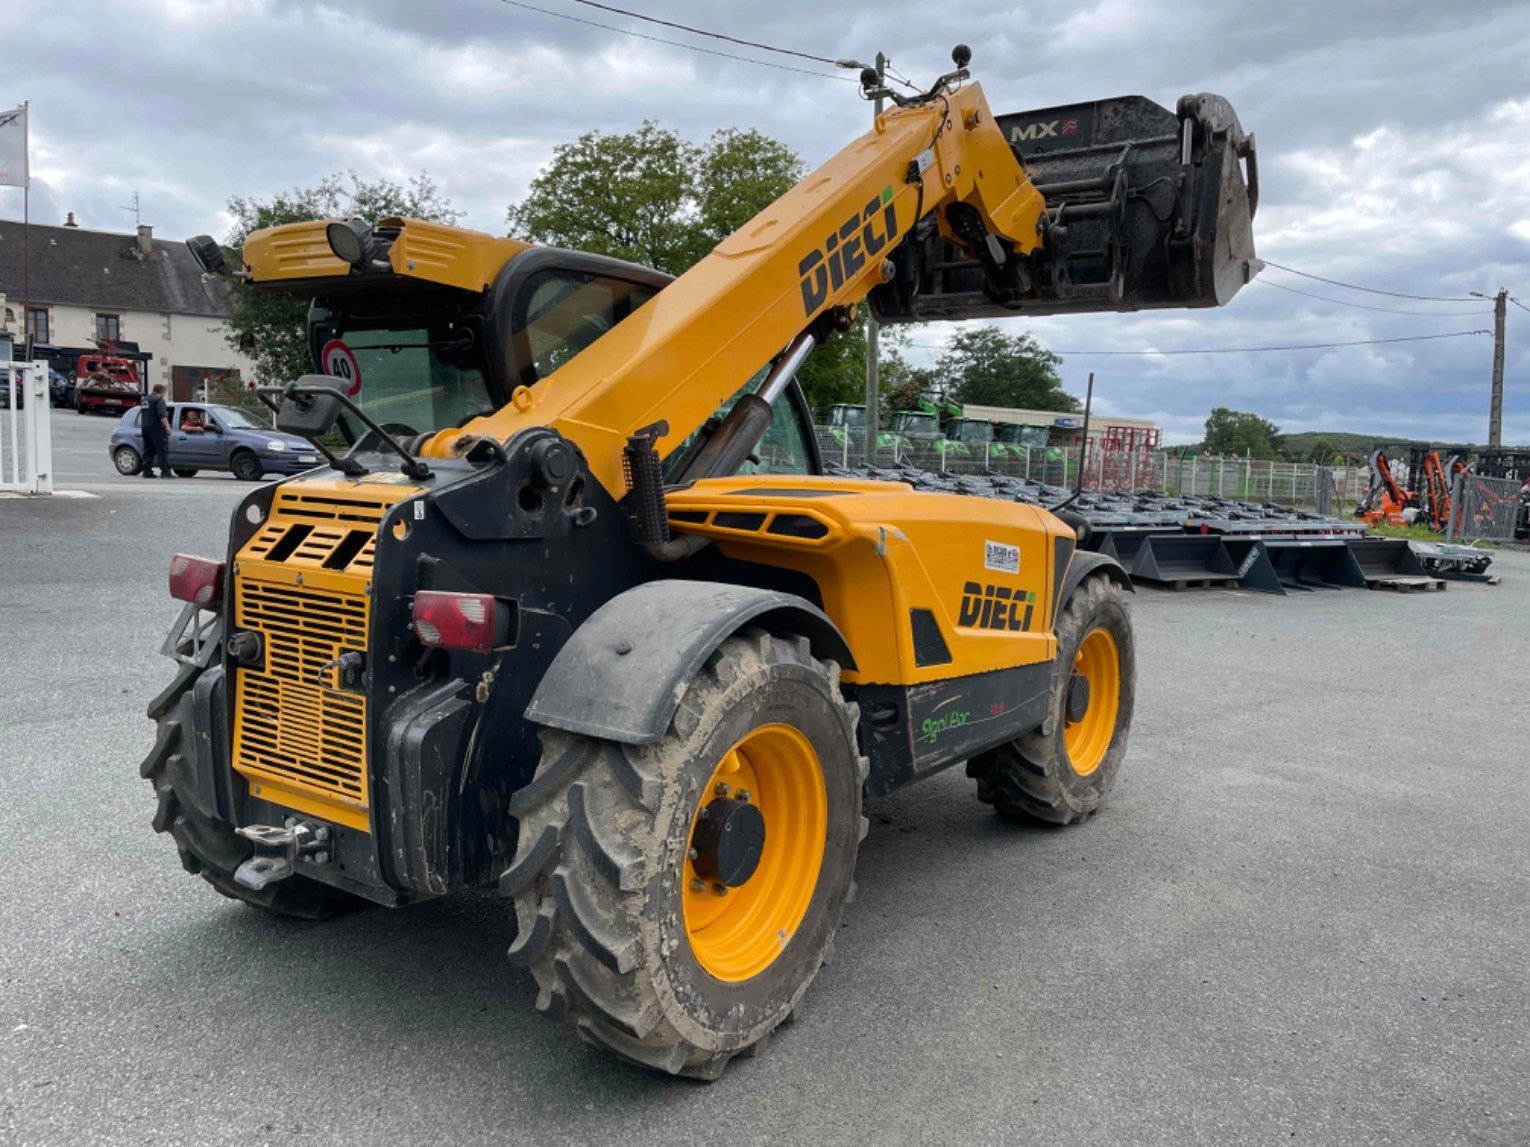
13,147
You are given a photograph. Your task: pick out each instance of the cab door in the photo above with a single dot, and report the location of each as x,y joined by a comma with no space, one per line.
196,439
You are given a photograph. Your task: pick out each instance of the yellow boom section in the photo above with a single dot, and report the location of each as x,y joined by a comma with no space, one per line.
822,244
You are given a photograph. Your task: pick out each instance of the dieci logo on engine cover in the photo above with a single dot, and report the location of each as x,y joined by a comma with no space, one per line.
996,607
845,252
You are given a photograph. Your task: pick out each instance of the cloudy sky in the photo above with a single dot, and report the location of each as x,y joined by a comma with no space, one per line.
1394,143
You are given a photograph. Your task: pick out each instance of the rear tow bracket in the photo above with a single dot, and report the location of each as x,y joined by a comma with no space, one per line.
278,849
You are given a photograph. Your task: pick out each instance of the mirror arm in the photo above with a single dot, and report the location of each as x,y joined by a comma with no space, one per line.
345,465
413,467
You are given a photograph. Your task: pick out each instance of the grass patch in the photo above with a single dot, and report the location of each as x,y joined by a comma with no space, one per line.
1418,532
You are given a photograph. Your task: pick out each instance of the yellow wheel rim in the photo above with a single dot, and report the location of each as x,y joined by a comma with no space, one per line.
738,934
1088,738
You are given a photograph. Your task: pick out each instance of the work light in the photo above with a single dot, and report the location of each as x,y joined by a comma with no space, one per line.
351,241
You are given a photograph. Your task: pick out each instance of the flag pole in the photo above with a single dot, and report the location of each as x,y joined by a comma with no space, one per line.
26,228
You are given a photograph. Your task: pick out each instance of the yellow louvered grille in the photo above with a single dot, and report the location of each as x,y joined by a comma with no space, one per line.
301,581
294,732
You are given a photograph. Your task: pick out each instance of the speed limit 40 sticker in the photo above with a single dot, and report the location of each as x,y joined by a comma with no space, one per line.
340,362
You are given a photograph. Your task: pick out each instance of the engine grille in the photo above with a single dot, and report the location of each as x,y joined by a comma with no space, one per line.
306,739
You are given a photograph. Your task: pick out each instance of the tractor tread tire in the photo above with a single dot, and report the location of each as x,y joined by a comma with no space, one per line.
593,855
295,896
1029,778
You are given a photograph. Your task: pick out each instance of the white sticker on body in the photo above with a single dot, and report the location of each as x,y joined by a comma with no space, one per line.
1001,557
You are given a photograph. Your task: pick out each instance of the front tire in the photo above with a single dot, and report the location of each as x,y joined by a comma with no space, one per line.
632,923
245,466
1062,772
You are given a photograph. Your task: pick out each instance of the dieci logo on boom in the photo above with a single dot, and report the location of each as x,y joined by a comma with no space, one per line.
996,607
845,252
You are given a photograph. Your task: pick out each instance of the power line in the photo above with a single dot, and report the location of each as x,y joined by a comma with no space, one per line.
704,32
1250,349
1371,290
1519,304
1368,306
674,43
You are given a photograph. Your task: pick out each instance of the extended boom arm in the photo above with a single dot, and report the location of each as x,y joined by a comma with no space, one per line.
935,171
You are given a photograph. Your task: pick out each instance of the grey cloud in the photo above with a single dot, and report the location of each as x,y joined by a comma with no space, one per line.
190,104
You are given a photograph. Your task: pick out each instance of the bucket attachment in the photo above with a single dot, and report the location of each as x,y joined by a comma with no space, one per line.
1167,557
1145,208
1389,563
1314,563
1252,561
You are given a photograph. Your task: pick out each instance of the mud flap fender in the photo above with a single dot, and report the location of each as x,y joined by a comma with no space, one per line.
622,674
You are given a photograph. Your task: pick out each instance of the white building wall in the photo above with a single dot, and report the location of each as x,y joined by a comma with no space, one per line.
173,340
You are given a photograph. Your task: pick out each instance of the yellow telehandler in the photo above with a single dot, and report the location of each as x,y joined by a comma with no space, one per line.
577,614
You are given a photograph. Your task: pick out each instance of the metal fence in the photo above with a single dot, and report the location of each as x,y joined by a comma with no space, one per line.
26,429
1332,490
1484,508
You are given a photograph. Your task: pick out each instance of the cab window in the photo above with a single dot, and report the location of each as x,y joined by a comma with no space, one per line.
563,312
783,447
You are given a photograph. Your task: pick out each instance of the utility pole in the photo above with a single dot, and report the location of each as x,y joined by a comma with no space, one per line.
1495,408
873,423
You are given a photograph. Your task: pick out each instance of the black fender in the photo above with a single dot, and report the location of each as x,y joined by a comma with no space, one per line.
621,675
1086,564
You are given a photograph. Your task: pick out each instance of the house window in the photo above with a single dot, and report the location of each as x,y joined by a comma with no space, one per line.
108,328
37,324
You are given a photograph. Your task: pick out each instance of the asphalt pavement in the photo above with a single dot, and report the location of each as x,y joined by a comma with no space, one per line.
1304,916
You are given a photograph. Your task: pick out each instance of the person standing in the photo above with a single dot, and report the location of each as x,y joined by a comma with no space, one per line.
156,433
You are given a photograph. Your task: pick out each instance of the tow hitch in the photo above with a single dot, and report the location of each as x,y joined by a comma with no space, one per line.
277,849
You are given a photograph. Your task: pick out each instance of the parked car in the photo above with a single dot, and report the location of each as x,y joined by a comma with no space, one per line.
204,436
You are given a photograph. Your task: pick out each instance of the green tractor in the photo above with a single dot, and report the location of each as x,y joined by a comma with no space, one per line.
846,424
977,435
1021,438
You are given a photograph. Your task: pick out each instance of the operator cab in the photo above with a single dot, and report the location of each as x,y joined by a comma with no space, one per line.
423,355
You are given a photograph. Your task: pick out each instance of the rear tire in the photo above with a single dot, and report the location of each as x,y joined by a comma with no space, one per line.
183,473
1035,777
622,944
127,460
245,466
208,848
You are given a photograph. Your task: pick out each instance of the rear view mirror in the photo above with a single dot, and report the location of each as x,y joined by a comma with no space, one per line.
312,415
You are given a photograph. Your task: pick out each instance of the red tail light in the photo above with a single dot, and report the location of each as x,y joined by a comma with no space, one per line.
197,580
460,620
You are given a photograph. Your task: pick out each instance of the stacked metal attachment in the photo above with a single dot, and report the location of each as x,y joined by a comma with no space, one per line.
1178,542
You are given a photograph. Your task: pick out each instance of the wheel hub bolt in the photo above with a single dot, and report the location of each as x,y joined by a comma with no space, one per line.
722,789
698,885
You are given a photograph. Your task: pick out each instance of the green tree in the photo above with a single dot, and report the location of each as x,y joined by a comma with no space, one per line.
650,196
1323,452
983,365
905,385
270,327
1241,433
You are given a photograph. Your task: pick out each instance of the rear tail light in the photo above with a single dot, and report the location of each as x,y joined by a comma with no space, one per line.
473,621
197,580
